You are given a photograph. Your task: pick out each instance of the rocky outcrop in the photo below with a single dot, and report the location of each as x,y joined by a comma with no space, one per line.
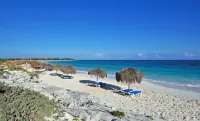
74,104
85,106
18,77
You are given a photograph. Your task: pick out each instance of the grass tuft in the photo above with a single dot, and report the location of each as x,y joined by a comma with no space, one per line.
150,117
76,118
117,113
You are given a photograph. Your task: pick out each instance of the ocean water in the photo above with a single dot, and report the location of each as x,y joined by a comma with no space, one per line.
181,74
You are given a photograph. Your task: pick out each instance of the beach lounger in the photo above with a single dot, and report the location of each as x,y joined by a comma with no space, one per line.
53,74
128,92
134,92
123,91
66,77
96,84
60,75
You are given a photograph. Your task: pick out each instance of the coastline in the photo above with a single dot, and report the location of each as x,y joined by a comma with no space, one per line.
162,73
152,87
155,101
145,85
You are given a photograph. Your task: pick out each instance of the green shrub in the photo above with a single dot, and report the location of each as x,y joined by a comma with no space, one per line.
150,117
76,118
1,61
23,105
117,113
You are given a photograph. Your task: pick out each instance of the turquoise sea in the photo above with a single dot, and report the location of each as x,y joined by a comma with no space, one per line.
181,74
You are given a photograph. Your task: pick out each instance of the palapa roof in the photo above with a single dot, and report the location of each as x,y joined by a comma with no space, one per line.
57,67
68,70
98,72
129,75
35,64
49,66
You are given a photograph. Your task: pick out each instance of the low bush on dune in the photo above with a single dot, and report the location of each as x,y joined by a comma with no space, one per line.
117,113
17,104
17,68
150,117
1,61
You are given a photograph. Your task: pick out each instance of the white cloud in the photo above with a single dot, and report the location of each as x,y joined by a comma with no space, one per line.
99,55
140,54
187,54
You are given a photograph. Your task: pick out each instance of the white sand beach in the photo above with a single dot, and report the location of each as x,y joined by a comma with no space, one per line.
158,101
76,85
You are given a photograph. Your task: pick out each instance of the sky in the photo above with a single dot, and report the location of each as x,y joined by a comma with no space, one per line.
100,29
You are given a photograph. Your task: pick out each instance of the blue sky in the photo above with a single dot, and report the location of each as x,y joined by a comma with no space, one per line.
100,29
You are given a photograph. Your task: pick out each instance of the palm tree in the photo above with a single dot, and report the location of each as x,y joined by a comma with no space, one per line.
129,76
98,73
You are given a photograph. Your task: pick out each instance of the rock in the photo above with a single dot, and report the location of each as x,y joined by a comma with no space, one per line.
19,77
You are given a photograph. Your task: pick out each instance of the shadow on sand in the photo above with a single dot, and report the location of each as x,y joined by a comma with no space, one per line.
104,85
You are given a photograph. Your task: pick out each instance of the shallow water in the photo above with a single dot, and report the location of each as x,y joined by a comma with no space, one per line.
181,74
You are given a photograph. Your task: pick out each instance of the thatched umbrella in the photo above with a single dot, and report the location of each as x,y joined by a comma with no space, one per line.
129,76
98,73
10,65
68,70
48,66
57,67
37,65
19,62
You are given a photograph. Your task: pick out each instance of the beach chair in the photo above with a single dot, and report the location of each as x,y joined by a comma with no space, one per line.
134,92
53,74
60,75
96,84
70,77
66,77
123,91
128,92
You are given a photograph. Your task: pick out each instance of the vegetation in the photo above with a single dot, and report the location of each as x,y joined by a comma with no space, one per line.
117,113
1,61
39,59
18,104
17,68
150,117
76,118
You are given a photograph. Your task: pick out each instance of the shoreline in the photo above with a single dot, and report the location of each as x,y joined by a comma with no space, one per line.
162,86
157,101
175,81
154,101
143,86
